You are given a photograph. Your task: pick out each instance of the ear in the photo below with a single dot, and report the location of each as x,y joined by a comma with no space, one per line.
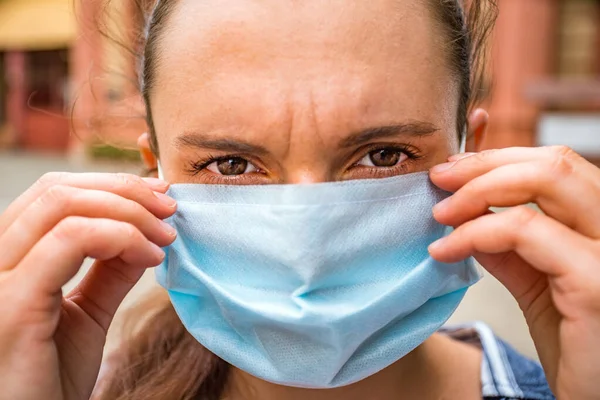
478,123
148,157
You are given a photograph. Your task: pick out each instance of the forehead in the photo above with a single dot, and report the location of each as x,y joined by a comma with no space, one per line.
259,33
338,54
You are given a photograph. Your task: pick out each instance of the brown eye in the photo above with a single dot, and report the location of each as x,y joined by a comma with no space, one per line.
383,158
231,166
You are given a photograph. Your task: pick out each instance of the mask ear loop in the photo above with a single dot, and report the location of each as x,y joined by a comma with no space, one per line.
463,149
463,141
160,172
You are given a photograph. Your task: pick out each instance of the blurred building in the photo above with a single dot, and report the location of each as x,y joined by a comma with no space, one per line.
545,88
35,41
546,69
63,84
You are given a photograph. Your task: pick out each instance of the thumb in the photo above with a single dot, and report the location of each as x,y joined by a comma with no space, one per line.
522,280
104,288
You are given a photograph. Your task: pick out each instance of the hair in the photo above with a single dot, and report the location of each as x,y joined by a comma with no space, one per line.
160,360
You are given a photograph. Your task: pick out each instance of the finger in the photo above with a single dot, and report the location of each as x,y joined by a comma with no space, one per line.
104,288
561,161
59,202
460,156
57,257
517,184
544,243
149,192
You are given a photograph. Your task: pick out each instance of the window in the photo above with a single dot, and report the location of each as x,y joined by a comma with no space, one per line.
579,39
47,74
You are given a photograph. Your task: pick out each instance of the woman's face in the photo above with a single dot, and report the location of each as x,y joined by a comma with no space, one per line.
302,91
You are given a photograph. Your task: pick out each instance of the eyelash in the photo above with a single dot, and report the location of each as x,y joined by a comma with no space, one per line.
413,154
196,167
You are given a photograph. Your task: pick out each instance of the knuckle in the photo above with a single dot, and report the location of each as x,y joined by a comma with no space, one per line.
516,226
485,155
56,195
130,232
561,151
69,228
131,186
523,216
562,160
51,178
128,180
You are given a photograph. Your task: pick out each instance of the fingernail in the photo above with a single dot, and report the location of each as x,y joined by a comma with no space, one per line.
441,205
169,229
437,244
460,156
168,201
442,167
155,182
158,252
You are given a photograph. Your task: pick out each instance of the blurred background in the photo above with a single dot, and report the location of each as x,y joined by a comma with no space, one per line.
69,100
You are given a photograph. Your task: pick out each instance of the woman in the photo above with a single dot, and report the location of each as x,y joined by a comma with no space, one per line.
303,94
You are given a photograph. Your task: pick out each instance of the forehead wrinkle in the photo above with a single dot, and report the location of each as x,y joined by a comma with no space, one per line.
268,63
313,112
313,107
287,126
257,51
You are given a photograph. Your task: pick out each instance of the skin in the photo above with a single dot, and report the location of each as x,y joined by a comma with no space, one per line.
299,84
315,77
548,262
343,78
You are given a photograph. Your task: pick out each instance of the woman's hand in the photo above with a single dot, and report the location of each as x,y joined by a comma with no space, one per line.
50,345
550,263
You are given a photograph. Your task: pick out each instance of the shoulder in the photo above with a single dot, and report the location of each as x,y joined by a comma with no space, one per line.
505,373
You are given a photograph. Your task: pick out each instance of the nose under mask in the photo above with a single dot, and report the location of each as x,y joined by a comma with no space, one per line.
314,286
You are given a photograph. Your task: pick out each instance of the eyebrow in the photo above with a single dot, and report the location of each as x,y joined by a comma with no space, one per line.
225,145
413,128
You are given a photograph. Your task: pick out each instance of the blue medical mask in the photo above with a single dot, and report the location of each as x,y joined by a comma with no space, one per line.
314,286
